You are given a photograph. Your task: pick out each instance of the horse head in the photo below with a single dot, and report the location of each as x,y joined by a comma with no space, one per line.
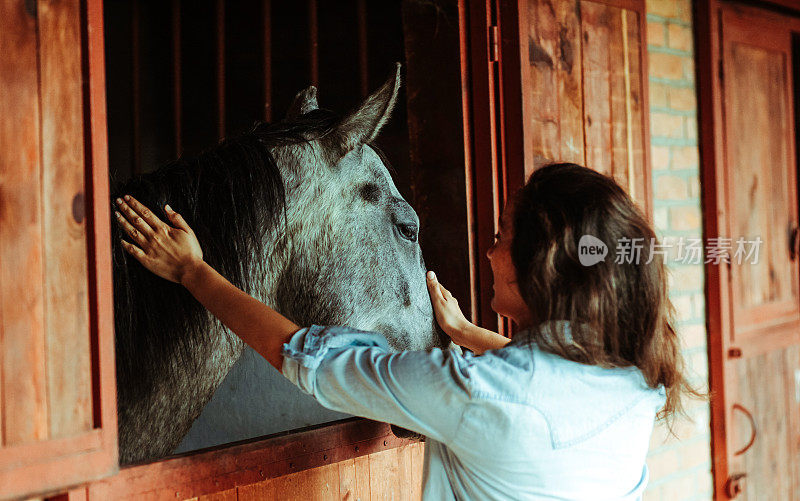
353,256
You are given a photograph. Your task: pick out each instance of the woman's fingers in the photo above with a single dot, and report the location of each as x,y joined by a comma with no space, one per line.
132,232
434,287
134,218
151,219
134,251
177,220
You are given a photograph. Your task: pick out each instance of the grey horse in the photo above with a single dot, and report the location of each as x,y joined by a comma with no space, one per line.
301,214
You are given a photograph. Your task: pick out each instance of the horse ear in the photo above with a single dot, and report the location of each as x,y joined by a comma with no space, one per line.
362,125
304,101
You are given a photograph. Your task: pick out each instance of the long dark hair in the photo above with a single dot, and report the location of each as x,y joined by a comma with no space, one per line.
619,312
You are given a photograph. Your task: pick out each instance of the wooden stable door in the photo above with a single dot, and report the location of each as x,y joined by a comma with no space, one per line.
580,73
57,406
764,355
754,306
553,81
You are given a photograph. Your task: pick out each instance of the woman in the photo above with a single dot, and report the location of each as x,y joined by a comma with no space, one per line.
564,410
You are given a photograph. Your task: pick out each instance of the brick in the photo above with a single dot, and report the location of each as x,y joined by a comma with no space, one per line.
697,368
666,66
685,157
671,242
693,336
670,188
694,188
658,95
663,8
688,68
682,98
699,301
691,128
695,454
680,37
652,493
656,34
679,488
661,156
663,125
686,278
683,307
684,218
683,10
686,429
704,483
663,463
660,218
662,439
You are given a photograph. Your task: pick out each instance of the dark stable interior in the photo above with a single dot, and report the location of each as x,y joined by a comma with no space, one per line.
165,70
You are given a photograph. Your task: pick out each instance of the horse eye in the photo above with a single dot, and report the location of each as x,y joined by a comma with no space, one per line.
407,231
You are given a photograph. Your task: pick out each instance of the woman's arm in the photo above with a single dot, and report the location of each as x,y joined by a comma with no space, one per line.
452,321
174,253
344,369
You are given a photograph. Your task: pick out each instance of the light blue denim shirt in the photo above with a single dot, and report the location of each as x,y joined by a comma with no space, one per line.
513,423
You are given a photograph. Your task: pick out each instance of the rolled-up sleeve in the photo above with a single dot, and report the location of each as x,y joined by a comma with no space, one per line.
353,371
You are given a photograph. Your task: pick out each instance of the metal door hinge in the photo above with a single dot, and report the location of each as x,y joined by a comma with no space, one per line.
494,44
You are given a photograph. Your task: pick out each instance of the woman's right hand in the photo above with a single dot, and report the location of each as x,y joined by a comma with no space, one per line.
448,314
168,251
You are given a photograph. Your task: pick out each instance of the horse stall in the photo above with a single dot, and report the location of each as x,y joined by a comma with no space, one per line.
100,96
116,385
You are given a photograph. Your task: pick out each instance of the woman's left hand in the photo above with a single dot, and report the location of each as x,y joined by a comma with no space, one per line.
169,252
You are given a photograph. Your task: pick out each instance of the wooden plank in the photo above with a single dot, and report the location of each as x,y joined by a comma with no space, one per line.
637,114
570,84
714,220
386,475
417,463
347,479
618,109
483,190
249,463
99,262
318,484
22,353
406,471
362,486
229,495
16,456
541,87
261,490
64,216
595,19
767,389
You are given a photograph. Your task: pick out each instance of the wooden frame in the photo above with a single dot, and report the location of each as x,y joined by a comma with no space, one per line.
245,463
57,463
221,468
715,189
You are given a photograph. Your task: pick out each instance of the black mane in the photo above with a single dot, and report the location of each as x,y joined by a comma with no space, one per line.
232,195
